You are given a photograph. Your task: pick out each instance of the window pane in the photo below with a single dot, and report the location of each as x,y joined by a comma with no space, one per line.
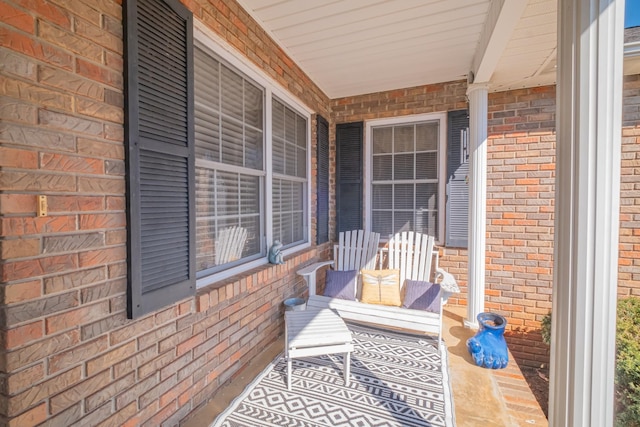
403,166
253,149
382,223
382,140
249,194
227,193
301,163
403,139
402,221
403,196
427,166
277,157
289,211
277,111
252,225
427,196
287,197
252,105
205,200
298,227
427,136
286,223
301,132
290,160
232,93
382,168
289,125
207,80
427,222
232,135
205,243
382,196
205,223
298,196
207,133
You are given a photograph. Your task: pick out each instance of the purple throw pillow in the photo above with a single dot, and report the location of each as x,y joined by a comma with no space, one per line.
341,284
421,295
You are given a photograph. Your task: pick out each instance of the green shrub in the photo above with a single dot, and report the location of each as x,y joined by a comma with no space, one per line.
546,328
627,360
628,363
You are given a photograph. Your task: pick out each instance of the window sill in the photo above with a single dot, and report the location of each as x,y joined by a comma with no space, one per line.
215,293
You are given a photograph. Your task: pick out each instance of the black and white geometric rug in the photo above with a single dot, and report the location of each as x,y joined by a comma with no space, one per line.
396,380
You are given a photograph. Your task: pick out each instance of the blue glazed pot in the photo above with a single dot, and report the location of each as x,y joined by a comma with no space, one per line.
488,347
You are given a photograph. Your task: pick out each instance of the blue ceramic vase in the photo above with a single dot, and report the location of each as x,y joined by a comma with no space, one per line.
488,347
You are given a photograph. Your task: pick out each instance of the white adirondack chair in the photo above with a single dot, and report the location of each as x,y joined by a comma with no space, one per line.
229,244
355,250
412,254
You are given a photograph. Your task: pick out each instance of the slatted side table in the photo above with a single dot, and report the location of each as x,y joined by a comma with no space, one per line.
314,333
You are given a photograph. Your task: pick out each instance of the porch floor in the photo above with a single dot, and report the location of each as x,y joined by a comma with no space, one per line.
481,397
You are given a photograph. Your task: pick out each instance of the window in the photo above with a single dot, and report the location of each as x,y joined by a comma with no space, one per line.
206,193
289,160
230,172
251,179
406,162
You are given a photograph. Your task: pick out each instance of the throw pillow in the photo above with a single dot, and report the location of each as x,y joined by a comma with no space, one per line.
421,295
381,287
341,284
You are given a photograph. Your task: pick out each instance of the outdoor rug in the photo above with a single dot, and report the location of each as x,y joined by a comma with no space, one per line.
396,380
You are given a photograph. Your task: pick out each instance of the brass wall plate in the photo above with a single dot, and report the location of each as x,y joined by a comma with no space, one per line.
42,206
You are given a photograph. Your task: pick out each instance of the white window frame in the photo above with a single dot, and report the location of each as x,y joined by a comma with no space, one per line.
442,165
271,88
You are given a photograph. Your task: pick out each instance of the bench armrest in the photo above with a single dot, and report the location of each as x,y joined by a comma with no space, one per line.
448,284
308,273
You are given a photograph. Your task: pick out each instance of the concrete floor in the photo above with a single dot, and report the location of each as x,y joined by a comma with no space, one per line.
482,397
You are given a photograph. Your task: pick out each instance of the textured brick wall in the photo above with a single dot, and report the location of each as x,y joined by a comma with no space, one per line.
520,199
401,102
629,261
70,355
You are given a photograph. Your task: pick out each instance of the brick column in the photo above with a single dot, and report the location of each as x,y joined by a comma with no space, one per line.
478,100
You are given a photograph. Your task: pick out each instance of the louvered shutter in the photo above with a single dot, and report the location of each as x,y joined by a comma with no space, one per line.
160,154
457,180
323,181
349,176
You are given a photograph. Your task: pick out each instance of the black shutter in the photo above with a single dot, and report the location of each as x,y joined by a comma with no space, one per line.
160,154
349,176
458,180
323,181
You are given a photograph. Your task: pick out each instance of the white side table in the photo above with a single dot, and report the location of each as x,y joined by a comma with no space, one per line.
314,333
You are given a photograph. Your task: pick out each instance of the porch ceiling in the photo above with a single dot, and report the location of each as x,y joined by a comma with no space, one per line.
351,47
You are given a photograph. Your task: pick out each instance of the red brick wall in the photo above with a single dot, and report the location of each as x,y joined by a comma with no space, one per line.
401,102
70,354
520,199
629,261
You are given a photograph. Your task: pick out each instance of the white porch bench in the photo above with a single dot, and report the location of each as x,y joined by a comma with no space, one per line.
412,254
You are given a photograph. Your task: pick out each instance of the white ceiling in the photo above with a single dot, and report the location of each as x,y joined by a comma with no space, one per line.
351,47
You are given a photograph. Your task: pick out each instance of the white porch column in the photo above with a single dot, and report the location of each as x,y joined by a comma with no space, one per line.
590,46
477,93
